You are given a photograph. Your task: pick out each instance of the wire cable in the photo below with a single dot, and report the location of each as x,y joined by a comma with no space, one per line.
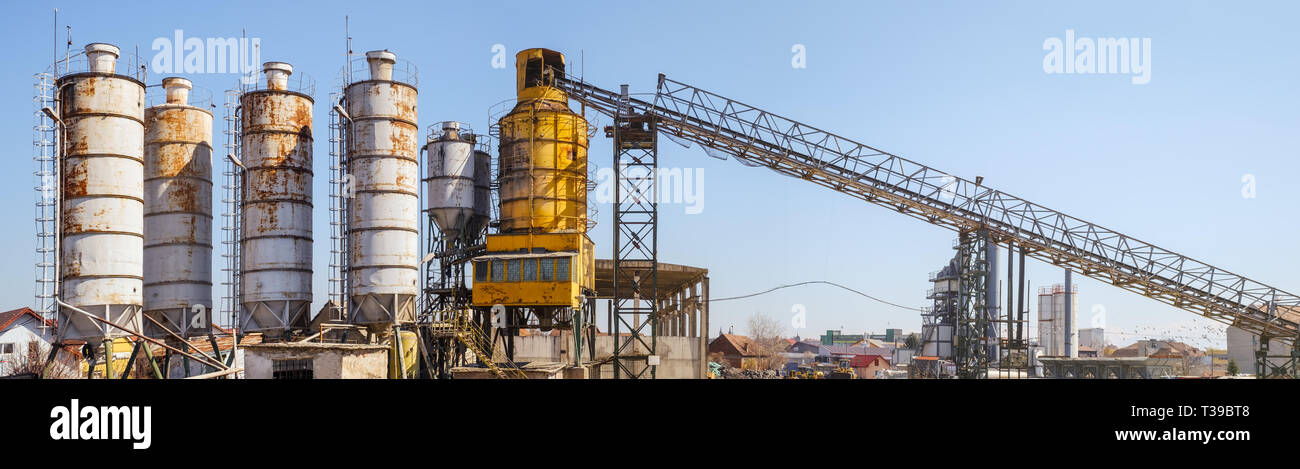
824,282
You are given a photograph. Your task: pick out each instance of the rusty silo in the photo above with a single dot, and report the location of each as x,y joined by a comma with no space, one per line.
276,239
178,213
451,182
102,213
383,204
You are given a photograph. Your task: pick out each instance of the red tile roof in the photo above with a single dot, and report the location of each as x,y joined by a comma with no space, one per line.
7,318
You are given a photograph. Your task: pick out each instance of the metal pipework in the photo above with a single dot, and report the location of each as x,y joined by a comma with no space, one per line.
178,213
102,207
276,235
383,200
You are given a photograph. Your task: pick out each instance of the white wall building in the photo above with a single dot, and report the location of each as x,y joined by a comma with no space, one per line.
18,329
1094,337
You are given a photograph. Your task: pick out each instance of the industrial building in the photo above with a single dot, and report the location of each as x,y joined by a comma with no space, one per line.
467,254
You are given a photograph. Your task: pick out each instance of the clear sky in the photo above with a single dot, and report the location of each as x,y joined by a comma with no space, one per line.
958,86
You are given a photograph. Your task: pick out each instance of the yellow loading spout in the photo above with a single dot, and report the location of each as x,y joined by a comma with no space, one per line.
542,256
543,153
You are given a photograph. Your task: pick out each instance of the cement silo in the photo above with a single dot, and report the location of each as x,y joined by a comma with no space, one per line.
451,183
177,213
383,204
102,211
276,239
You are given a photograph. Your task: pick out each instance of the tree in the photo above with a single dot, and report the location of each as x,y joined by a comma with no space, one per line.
31,361
1233,369
912,342
765,332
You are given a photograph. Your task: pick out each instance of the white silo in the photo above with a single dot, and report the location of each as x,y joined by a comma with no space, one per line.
178,213
383,204
451,195
276,204
102,209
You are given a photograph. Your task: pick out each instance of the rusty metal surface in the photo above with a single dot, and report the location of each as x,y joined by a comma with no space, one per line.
177,216
450,182
276,238
102,197
384,206
543,174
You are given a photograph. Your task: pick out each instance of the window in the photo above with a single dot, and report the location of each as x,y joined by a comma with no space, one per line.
530,270
562,269
498,271
512,270
6,349
548,270
291,369
480,271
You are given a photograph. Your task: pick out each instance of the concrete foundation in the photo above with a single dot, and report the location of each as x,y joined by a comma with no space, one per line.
679,357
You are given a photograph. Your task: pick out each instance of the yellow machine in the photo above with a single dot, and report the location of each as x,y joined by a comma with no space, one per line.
541,261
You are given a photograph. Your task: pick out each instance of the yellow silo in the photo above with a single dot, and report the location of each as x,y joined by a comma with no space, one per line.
542,258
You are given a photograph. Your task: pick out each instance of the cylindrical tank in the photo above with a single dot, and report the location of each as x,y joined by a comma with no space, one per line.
276,239
102,213
450,182
177,213
543,152
478,221
384,200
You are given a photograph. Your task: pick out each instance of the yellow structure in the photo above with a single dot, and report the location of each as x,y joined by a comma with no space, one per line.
542,257
121,351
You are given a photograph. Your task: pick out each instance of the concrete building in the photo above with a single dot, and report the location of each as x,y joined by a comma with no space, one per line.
1093,337
307,360
1242,346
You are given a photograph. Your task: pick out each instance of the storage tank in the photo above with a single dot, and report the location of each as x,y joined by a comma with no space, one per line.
482,215
450,182
102,206
276,238
177,213
543,151
384,207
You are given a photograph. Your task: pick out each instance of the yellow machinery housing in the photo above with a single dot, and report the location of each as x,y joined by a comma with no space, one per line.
542,257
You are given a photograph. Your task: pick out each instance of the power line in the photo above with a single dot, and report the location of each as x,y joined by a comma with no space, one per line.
896,305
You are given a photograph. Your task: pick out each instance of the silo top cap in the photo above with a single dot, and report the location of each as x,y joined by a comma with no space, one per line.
382,55
277,66
177,82
101,47
451,125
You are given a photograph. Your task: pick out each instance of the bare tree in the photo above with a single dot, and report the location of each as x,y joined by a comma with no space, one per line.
766,332
31,361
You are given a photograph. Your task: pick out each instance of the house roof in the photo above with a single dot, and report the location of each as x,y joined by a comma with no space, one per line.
7,318
860,361
738,343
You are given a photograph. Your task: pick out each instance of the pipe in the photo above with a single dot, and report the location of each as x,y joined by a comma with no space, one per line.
218,374
1069,315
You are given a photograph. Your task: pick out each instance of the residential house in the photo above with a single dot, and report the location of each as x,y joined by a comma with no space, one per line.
736,351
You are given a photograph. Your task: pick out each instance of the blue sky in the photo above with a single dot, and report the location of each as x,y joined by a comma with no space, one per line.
957,86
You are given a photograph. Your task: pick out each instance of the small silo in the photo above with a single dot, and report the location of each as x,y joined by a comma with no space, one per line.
102,212
384,200
275,224
177,213
451,183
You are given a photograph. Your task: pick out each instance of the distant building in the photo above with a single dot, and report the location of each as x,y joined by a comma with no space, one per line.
834,337
866,366
1094,338
1158,349
737,351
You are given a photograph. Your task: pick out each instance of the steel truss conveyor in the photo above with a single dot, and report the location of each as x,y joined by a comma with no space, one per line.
759,138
